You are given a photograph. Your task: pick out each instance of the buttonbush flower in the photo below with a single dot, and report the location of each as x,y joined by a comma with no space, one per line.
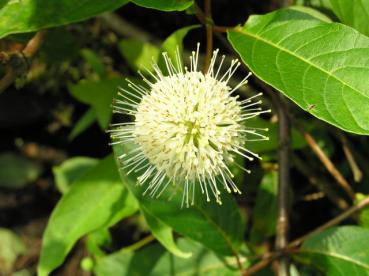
188,126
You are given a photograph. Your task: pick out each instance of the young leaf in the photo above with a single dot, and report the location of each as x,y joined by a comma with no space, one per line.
219,228
339,251
322,67
354,13
29,15
165,5
96,200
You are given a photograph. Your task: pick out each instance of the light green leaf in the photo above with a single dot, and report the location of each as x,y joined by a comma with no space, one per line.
22,16
138,54
17,171
70,170
155,261
323,67
354,13
165,5
99,95
219,228
87,119
164,234
339,251
11,246
96,200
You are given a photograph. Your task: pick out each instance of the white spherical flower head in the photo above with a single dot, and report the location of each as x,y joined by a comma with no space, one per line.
187,128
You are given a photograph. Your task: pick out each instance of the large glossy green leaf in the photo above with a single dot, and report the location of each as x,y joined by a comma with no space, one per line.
165,5
219,228
339,251
155,261
353,12
31,15
323,67
96,200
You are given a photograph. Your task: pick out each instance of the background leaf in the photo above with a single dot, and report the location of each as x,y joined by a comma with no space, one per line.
96,200
339,251
353,12
17,171
322,67
165,5
32,15
11,246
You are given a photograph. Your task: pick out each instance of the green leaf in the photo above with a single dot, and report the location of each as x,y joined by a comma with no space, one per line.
17,171
99,95
354,13
165,5
87,119
339,251
96,200
322,67
219,228
11,246
164,234
70,170
31,15
155,261
265,211
138,54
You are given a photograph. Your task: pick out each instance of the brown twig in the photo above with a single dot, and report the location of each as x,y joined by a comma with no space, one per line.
320,184
342,182
291,247
29,51
358,175
332,222
283,182
209,34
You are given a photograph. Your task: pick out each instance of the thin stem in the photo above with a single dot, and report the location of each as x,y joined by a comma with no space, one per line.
341,181
209,34
291,247
349,212
29,51
283,183
139,244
